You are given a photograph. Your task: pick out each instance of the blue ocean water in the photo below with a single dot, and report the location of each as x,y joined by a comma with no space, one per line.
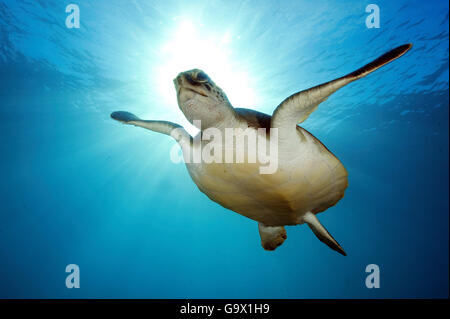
80,188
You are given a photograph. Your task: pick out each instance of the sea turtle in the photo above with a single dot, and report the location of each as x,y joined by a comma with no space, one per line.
309,178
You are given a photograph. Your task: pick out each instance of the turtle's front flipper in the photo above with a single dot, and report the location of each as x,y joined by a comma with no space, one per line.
297,107
322,233
271,236
164,127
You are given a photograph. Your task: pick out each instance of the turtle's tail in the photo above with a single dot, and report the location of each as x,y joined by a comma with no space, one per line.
322,233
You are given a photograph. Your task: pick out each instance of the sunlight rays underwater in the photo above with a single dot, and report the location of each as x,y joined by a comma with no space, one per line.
192,47
79,187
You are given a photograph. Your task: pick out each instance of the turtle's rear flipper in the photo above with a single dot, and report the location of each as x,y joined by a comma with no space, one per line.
271,236
321,233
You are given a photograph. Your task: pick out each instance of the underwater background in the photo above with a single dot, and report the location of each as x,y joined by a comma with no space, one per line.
79,188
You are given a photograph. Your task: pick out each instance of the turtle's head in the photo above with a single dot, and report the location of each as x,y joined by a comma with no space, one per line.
199,98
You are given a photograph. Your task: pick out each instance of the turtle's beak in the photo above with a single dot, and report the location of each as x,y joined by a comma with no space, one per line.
176,82
185,81
194,77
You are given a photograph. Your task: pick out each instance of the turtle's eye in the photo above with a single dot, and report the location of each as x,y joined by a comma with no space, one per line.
201,77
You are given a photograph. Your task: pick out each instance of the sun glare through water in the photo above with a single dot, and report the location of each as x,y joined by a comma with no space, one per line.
192,47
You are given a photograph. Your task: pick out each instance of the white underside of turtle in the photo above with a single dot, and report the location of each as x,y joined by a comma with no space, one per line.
308,178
